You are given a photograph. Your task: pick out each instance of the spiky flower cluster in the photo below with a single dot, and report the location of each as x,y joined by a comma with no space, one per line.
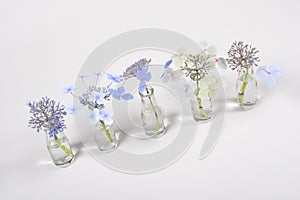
135,67
47,115
242,57
197,66
87,98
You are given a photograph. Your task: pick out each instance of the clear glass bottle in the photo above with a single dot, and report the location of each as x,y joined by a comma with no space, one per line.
105,137
151,114
247,90
201,103
59,149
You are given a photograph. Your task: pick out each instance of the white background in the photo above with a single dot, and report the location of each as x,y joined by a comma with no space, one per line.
44,43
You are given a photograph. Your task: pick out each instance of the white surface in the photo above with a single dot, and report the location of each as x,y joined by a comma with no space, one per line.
44,43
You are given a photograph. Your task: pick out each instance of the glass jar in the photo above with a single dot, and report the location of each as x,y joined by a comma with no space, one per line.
247,90
105,137
59,149
201,103
151,114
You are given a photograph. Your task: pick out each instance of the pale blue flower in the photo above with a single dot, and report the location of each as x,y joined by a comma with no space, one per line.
269,74
114,78
94,116
72,109
68,89
119,93
144,76
98,97
106,117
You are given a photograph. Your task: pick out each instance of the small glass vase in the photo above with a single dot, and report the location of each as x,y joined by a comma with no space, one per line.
105,137
151,114
59,149
201,104
247,90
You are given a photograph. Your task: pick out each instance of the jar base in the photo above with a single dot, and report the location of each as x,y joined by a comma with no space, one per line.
248,105
154,134
66,162
109,149
203,120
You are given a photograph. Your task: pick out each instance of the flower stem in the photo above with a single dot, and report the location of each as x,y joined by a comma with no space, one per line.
199,101
243,88
106,131
63,147
154,110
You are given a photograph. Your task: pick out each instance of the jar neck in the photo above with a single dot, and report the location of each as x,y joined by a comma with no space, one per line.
53,136
147,97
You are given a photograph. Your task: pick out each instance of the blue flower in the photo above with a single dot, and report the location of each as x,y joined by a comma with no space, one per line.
72,109
269,74
106,117
93,116
118,94
168,63
116,78
98,97
144,76
67,89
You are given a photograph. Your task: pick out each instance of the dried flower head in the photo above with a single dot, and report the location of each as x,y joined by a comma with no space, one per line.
47,115
88,98
197,66
242,57
132,70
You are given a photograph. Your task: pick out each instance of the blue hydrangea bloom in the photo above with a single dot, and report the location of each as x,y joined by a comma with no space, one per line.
144,76
114,78
120,93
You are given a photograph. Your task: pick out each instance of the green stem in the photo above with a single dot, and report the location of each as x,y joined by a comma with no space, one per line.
106,131
154,110
199,101
63,147
243,88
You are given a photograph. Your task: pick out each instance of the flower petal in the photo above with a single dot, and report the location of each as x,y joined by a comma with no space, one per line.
142,86
261,72
148,77
121,90
127,96
168,63
270,81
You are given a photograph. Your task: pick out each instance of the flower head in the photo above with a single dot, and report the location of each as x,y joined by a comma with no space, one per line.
114,78
47,115
98,97
72,109
120,93
242,57
269,74
93,116
106,117
144,76
68,89
132,70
